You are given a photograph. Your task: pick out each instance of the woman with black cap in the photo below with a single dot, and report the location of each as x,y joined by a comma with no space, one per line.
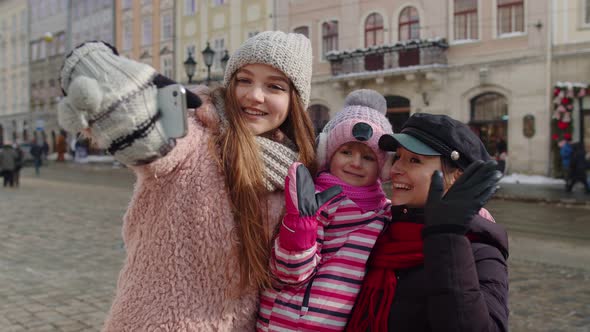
440,265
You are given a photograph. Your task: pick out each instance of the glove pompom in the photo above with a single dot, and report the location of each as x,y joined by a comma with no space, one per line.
85,94
68,118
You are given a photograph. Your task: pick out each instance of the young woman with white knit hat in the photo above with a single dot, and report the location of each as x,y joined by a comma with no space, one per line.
198,226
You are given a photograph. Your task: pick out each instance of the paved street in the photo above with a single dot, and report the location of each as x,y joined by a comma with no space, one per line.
61,250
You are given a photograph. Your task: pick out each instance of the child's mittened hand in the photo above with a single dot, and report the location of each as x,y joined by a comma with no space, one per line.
300,194
463,200
298,231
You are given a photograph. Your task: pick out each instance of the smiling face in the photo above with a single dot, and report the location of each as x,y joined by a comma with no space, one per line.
410,177
263,95
356,164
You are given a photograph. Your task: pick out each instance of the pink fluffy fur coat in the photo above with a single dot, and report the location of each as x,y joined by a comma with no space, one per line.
181,272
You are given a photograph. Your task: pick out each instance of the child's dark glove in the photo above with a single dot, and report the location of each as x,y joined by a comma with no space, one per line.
452,212
302,204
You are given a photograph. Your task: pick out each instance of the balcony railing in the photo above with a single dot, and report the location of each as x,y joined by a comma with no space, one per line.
420,52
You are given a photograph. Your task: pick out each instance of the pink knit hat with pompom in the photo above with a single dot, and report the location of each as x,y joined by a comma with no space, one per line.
361,120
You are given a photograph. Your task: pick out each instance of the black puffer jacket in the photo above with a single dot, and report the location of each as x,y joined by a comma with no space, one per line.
462,286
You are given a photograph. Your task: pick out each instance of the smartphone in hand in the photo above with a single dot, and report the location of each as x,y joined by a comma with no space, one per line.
172,105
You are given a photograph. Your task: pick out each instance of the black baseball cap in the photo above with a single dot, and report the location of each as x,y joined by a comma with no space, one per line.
437,135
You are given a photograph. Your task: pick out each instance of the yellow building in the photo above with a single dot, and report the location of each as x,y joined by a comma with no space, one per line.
224,24
145,32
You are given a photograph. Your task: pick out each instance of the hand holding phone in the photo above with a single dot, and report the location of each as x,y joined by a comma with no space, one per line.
172,105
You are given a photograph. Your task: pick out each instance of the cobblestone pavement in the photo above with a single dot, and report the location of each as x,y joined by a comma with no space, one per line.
61,251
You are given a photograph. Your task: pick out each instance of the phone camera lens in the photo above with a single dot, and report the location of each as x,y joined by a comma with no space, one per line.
175,93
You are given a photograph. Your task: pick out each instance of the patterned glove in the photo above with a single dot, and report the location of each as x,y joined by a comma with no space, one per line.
303,204
116,98
452,212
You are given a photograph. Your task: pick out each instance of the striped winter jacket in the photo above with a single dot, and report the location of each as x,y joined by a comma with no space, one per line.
319,286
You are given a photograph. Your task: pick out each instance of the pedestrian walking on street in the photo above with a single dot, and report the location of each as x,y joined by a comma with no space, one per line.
565,152
578,167
18,164
44,150
61,146
197,230
37,154
327,237
441,263
8,159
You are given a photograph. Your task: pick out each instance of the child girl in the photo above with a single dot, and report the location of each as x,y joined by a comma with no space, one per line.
325,239
439,266
198,226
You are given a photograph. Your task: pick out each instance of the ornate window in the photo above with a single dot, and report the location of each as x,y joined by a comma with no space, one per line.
465,19
329,36
510,16
374,30
409,24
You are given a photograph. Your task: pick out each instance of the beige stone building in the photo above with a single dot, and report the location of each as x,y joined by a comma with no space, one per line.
14,72
144,31
483,62
48,46
223,25
570,61
92,20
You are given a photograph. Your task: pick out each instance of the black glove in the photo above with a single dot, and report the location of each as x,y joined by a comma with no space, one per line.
452,212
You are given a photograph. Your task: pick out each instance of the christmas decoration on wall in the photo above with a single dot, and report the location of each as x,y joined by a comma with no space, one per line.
565,94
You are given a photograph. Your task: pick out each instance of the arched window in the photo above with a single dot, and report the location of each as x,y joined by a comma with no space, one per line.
374,36
329,37
304,30
489,120
488,107
320,115
465,19
373,30
409,24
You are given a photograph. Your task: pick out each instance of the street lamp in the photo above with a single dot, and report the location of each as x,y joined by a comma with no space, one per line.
224,60
208,55
189,66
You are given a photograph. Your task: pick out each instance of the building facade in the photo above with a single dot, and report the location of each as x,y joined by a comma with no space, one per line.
221,25
92,20
144,31
570,73
15,121
48,45
482,62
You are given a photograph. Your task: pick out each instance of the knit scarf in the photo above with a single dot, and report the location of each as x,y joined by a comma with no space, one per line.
399,247
276,157
368,198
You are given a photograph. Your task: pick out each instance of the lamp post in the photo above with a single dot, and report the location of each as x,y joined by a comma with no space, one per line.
208,55
189,66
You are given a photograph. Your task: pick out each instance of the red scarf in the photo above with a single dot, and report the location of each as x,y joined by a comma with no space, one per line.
399,247
368,198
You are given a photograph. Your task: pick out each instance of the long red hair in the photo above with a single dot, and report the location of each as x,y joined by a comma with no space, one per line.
243,169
